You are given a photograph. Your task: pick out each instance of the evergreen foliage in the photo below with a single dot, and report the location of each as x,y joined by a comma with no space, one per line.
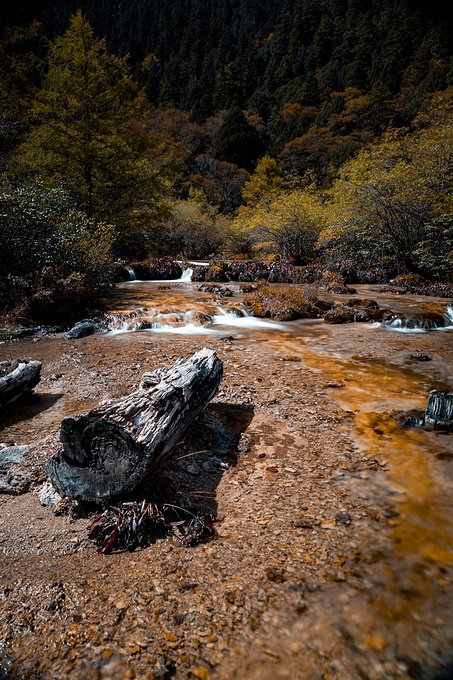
237,141
88,131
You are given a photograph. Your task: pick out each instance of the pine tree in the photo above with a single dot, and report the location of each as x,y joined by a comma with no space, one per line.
237,141
89,131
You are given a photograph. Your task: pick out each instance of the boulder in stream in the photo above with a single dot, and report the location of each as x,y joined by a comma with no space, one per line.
439,411
82,329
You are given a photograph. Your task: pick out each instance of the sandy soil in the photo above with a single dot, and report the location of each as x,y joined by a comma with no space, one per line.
333,547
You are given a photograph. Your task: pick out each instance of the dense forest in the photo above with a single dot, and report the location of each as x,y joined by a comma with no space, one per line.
299,130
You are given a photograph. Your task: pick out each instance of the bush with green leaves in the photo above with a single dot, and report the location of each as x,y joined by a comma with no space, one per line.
53,258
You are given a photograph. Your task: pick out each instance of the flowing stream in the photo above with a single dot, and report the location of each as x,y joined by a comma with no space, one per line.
374,382
370,372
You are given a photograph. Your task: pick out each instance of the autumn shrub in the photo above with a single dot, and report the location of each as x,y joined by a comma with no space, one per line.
334,283
285,304
310,273
53,258
415,283
351,273
409,281
355,310
281,271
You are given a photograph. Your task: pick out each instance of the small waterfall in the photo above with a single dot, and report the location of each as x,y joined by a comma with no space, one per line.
188,323
186,276
241,319
448,316
420,323
132,276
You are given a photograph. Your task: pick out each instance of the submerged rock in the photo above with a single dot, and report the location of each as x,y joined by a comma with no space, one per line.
412,418
418,356
346,313
417,322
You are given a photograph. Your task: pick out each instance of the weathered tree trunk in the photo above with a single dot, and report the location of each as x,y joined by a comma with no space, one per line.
109,451
439,411
22,378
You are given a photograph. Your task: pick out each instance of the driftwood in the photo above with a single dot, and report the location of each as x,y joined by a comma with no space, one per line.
23,377
109,451
439,411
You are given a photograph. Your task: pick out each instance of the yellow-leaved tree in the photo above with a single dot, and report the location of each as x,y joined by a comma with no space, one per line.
277,220
385,199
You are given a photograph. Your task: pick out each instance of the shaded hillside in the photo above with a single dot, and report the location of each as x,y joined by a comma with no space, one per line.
206,55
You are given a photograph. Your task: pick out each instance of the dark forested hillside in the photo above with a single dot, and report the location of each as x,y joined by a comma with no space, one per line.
205,55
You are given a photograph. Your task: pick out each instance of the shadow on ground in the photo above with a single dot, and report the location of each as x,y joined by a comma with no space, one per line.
191,476
27,406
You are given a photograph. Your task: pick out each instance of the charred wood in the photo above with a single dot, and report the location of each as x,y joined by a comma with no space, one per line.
110,450
17,378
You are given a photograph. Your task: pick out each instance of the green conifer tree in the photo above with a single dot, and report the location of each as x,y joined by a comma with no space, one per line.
89,130
237,141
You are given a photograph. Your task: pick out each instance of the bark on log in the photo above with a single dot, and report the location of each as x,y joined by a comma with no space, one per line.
439,411
109,451
23,378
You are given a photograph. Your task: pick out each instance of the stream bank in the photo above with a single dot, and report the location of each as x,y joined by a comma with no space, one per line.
334,540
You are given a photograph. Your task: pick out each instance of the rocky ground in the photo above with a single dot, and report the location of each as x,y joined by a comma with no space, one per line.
333,548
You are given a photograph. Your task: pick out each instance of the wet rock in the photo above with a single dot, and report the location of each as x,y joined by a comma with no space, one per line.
210,288
411,418
340,314
217,273
82,329
201,319
157,269
439,411
362,302
344,313
143,325
199,273
14,479
418,356
176,320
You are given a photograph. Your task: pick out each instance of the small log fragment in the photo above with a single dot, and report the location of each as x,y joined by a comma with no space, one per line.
21,378
439,411
110,450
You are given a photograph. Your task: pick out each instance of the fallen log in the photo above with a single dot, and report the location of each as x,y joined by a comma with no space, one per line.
110,450
439,411
17,378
